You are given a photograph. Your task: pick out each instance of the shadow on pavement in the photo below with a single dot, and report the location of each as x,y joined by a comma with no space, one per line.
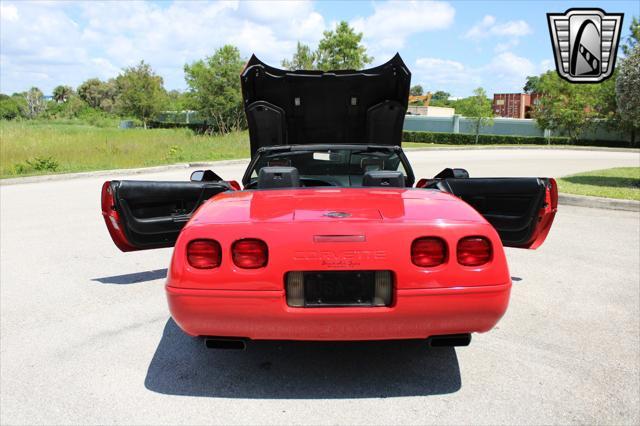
136,277
182,365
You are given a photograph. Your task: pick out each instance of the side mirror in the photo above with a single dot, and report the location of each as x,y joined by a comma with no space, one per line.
452,173
197,176
204,176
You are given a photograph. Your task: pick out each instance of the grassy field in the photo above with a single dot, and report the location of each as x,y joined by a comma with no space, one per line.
31,147
620,182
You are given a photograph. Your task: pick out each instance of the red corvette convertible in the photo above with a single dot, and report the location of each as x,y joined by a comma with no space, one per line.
330,238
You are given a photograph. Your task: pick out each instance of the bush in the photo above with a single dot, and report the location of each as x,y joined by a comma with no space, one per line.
75,110
469,139
9,109
37,164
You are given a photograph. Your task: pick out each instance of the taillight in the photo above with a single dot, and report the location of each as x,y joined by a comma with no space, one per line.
428,251
204,254
474,251
250,253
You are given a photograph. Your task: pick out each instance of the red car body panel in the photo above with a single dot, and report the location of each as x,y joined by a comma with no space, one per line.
348,208
231,301
545,216
112,219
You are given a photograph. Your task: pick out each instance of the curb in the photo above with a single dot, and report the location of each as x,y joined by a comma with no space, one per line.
598,202
523,147
115,172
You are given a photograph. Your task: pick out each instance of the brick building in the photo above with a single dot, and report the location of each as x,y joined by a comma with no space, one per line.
514,105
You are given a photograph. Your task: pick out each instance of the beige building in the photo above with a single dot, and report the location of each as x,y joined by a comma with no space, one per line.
431,111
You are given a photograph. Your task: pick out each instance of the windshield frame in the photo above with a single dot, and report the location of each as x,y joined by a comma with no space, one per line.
409,179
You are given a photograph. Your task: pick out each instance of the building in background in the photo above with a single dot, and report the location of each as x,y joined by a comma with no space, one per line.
430,111
514,105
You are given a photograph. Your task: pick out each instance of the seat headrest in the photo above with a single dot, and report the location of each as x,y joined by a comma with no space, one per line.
371,164
384,178
278,177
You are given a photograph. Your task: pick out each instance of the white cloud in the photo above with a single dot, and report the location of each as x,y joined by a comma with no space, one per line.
393,22
69,42
505,72
507,45
481,29
546,65
8,12
509,69
488,26
438,74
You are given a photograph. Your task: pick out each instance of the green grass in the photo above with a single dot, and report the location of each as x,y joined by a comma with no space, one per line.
620,182
32,147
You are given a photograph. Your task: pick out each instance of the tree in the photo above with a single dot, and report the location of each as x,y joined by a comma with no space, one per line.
531,86
416,90
179,101
633,38
627,93
478,109
9,108
341,50
303,59
604,102
565,107
140,92
98,94
62,93
35,102
215,88
441,96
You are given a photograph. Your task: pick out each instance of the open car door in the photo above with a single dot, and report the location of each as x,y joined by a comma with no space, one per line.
520,209
144,215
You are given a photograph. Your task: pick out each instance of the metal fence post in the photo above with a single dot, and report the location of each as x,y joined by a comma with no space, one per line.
456,123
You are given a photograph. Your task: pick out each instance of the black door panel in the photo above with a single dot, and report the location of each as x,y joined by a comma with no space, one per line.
152,214
511,205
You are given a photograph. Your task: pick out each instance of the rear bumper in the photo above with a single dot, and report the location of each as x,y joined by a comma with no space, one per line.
264,315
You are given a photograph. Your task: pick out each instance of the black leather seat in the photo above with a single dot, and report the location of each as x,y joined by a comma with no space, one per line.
278,177
384,178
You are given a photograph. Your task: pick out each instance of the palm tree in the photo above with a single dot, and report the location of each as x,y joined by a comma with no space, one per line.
62,93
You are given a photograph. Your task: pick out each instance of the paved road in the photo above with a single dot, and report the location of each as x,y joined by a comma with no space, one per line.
85,336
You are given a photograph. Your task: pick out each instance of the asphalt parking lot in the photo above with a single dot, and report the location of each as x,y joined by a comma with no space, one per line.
85,335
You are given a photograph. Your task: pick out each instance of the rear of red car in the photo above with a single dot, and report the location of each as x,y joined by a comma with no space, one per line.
337,264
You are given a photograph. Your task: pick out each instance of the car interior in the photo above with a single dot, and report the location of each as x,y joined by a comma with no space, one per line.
330,167
155,212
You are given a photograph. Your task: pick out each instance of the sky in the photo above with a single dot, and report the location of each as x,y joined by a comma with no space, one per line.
454,46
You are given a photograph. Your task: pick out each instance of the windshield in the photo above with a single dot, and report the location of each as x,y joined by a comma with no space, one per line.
332,167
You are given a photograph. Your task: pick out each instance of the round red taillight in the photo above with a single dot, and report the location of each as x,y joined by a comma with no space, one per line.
204,254
474,251
428,252
250,253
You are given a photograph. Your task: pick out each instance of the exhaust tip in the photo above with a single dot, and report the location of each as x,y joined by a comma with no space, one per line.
449,340
224,343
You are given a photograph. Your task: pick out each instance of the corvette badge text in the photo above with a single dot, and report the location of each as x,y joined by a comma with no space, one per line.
340,257
585,42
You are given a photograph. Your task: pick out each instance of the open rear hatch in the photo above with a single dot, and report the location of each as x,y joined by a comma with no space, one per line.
317,107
